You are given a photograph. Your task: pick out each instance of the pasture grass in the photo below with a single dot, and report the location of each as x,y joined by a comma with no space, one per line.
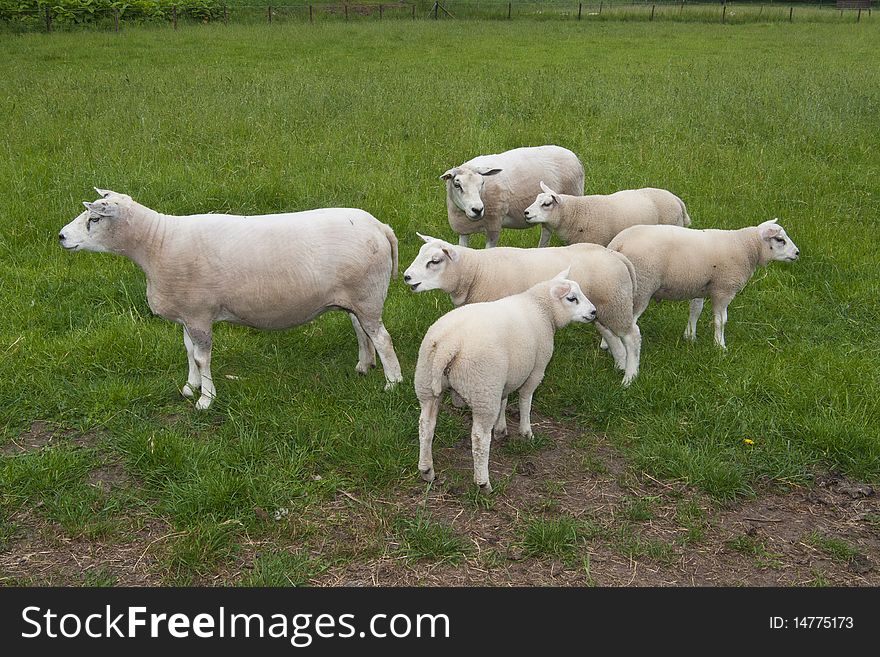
745,123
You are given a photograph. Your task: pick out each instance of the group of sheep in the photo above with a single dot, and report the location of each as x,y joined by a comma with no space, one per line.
282,270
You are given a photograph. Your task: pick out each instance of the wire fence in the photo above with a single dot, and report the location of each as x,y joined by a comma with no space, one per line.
116,17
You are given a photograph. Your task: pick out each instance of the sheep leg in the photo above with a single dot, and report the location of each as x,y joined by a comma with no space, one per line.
382,342
719,309
193,379
500,428
545,236
201,339
632,340
463,240
525,410
481,439
690,331
366,351
615,346
427,422
492,238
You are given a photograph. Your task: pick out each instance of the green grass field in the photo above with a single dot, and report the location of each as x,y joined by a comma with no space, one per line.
745,123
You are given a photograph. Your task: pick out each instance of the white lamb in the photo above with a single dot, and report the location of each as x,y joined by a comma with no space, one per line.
269,272
678,264
597,218
471,276
491,191
484,352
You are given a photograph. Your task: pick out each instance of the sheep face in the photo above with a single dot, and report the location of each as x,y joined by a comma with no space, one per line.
429,270
97,228
544,208
573,305
464,185
777,245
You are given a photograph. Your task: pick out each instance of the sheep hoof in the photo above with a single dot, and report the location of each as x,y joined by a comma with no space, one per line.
690,337
188,391
427,475
628,379
363,368
603,345
528,435
204,402
391,383
485,488
498,434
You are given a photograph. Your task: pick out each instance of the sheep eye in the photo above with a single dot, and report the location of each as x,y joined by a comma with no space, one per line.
456,184
434,262
94,220
574,300
546,205
780,240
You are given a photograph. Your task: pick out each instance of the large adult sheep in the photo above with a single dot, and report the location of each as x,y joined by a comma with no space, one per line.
486,351
471,276
492,191
679,264
269,272
597,218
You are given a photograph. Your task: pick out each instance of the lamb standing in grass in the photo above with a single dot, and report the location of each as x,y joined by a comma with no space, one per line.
269,272
491,191
471,276
484,352
681,264
597,218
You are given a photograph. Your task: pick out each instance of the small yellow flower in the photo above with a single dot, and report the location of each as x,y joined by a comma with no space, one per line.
748,441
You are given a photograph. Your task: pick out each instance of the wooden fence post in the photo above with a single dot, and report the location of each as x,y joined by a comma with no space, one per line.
414,11
508,10
790,13
681,8
225,15
436,9
381,11
580,9
346,11
724,13
174,15
116,19
48,19
761,12
859,16
310,14
652,11
600,7
269,13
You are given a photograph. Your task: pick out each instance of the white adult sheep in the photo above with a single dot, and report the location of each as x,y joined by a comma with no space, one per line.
681,264
471,276
486,351
597,218
491,191
269,272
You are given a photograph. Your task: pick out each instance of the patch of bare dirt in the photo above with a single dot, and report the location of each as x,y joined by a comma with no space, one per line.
41,553
41,435
686,541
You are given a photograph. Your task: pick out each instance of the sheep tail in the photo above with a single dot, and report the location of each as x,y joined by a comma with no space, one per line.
392,240
441,360
630,269
685,217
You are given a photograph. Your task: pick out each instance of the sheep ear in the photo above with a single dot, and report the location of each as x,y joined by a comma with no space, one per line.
449,174
103,193
559,290
563,275
449,252
100,208
425,238
769,229
547,190
486,171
